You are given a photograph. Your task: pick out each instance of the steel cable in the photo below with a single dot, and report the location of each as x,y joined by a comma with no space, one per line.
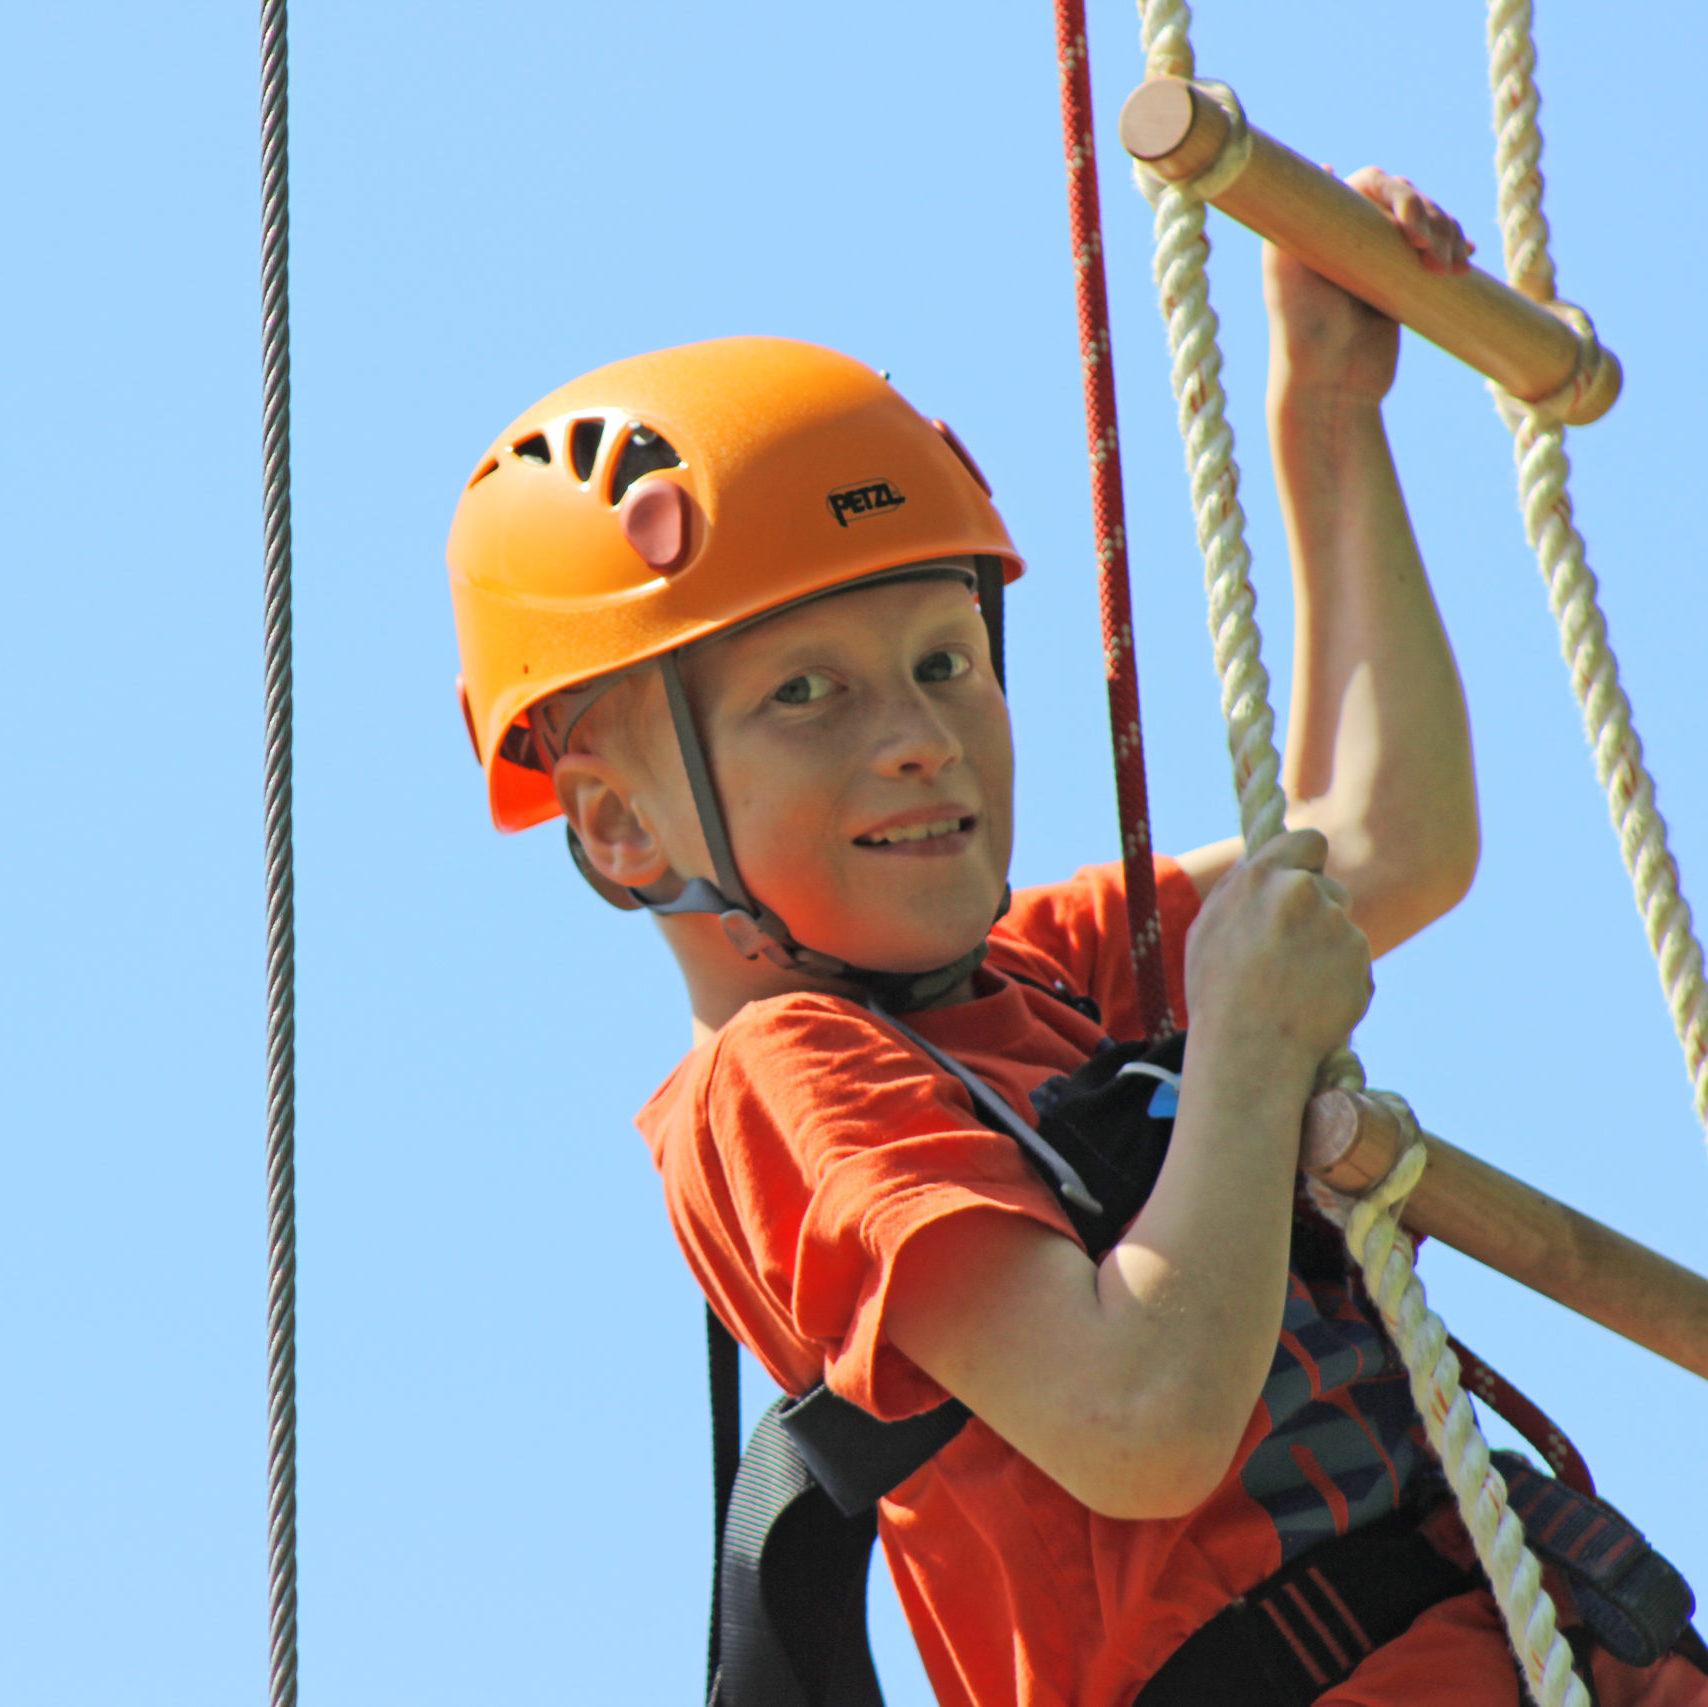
281,925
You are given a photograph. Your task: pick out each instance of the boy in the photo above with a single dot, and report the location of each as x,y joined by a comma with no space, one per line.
729,609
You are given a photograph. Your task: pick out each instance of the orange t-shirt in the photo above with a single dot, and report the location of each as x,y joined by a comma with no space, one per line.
804,1145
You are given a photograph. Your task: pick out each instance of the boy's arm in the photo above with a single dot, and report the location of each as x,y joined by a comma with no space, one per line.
1133,1381
1378,753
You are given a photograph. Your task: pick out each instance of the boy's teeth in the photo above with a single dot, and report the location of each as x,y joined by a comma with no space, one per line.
916,832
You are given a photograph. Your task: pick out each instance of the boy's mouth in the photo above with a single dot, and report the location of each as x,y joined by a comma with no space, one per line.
920,830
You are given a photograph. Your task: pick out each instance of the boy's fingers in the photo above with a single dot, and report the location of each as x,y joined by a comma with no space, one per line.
1438,234
1427,228
1301,850
1435,234
1337,892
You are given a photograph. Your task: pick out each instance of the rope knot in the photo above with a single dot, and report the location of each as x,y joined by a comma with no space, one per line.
1400,1181
1595,370
1371,1220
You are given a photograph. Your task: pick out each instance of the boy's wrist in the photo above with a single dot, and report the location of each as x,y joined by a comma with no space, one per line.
1301,404
1264,1072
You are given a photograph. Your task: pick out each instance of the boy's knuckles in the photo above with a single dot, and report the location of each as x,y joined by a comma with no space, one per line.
1292,847
1298,895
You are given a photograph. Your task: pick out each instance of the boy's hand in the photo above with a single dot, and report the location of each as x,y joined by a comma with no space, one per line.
1324,340
1275,967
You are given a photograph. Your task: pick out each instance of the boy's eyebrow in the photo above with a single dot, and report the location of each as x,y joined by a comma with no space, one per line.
826,638
732,673
815,625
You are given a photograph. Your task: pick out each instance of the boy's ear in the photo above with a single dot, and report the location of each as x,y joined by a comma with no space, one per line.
616,836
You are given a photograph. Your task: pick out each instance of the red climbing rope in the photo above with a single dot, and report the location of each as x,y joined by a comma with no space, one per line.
1108,519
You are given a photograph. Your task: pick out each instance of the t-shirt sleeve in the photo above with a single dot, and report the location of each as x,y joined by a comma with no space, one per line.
1081,927
838,1142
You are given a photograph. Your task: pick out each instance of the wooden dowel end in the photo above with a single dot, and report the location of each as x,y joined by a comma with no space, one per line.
1175,129
1350,1141
1179,131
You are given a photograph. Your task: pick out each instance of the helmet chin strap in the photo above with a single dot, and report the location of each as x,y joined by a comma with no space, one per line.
754,929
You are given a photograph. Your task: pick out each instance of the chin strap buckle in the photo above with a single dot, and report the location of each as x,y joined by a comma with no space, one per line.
751,939
764,937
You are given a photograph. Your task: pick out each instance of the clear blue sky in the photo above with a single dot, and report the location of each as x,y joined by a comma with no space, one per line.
503,1436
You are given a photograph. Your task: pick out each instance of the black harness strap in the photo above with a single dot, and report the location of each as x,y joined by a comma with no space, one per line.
791,1626
1306,1629
723,1358
1310,1626
1636,1604
855,1457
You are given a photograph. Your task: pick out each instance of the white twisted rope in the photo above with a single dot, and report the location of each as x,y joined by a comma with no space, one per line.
1543,472
1184,290
1181,252
1387,1257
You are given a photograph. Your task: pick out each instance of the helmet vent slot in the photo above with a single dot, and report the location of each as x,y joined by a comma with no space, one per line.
584,439
644,452
533,449
490,466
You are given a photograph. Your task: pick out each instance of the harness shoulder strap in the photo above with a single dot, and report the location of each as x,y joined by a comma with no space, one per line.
723,1359
790,1588
854,1456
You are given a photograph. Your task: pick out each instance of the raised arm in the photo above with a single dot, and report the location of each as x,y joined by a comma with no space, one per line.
1378,752
1133,1381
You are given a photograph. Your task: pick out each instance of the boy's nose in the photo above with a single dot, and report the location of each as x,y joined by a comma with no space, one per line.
915,739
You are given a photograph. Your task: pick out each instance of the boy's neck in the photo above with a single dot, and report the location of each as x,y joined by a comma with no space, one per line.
721,983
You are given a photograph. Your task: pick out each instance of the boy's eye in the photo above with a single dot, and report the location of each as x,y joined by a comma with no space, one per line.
803,689
943,666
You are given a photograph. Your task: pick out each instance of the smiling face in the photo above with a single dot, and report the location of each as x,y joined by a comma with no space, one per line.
861,749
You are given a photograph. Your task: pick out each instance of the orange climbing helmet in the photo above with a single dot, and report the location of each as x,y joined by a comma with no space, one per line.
675,495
